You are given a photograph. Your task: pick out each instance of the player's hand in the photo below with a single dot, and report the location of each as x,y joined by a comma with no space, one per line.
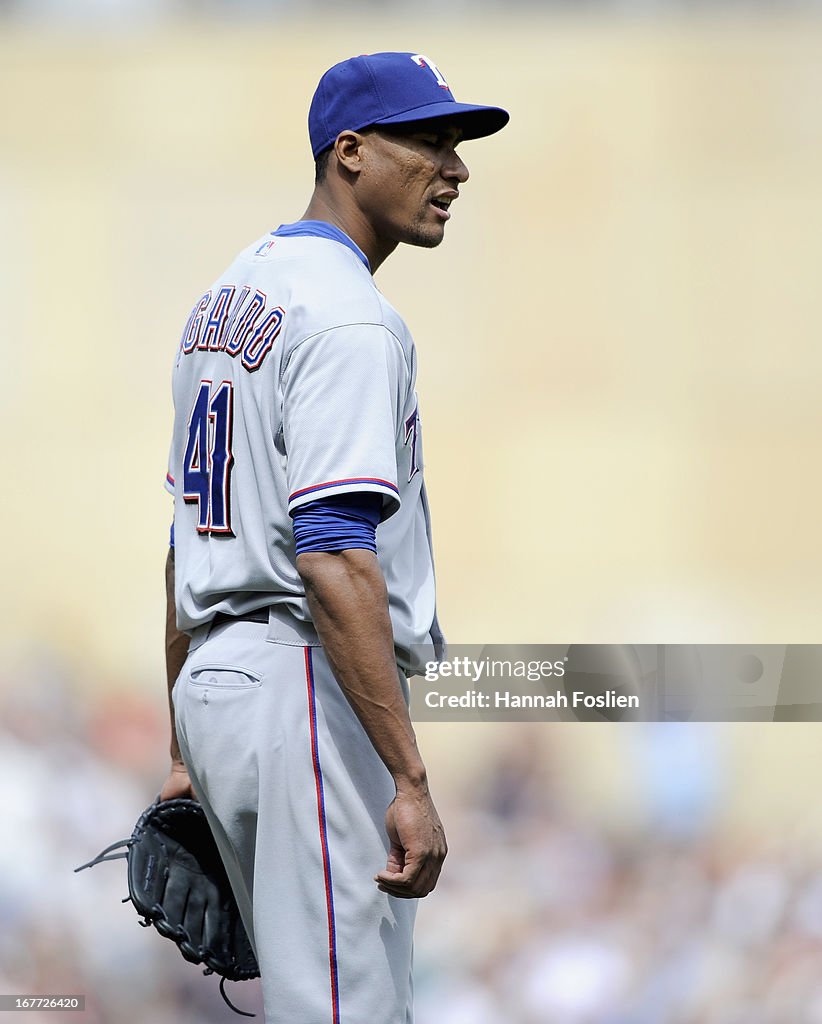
177,784
418,846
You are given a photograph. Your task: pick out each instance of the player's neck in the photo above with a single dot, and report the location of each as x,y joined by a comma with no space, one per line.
354,223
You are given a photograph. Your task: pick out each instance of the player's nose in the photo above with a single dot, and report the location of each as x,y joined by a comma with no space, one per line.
455,167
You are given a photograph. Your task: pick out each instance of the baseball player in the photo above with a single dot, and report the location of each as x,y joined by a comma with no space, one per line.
301,577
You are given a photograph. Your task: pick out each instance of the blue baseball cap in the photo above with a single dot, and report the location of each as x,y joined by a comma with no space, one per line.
390,88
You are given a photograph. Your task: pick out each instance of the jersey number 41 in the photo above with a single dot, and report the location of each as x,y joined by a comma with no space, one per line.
208,460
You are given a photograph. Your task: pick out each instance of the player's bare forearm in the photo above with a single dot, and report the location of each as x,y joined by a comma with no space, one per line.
349,607
348,602
177,782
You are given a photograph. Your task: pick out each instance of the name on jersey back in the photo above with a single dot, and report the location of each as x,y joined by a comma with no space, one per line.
238,323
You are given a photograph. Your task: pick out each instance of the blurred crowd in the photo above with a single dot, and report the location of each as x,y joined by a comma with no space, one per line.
544,914
549,917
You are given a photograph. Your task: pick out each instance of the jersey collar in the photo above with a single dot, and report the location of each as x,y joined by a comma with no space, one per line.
322,229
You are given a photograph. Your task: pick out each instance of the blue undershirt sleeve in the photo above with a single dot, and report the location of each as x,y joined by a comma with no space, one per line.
337,523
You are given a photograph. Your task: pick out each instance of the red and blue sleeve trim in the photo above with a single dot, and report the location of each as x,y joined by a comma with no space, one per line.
329,889
375,481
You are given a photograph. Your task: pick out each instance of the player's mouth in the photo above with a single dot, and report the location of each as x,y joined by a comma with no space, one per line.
442,203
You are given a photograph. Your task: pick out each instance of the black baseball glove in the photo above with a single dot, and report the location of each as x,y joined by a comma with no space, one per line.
177,882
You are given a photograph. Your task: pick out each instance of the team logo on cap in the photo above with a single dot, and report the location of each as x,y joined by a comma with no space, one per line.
425,62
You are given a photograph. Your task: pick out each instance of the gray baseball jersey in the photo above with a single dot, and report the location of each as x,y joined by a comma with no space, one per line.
294,381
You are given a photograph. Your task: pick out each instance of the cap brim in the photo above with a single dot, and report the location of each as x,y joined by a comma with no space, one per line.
475,122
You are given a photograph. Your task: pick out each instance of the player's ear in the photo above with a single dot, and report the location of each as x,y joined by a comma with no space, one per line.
348,150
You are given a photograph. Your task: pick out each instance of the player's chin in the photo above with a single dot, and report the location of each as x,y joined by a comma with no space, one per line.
426,236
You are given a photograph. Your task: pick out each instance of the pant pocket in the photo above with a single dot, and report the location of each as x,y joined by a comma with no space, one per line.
228,677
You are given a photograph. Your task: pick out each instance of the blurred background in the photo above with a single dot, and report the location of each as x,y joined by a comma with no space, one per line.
619,385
